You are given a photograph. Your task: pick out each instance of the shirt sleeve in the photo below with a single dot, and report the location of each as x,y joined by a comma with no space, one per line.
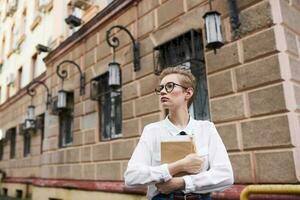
139,170
220,174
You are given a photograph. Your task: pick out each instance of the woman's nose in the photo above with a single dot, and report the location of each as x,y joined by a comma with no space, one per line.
163,92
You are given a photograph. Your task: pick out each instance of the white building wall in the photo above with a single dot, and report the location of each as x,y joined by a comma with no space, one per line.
51,29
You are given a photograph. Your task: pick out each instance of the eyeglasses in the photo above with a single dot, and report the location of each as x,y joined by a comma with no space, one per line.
169,86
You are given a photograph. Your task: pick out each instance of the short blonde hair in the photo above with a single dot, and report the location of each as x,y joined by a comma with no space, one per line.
186,79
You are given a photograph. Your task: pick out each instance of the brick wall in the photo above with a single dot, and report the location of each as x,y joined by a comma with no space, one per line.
253,88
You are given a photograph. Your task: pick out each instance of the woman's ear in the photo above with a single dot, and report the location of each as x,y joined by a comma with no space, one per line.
189,93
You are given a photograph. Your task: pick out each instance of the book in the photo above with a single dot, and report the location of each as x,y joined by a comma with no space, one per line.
172,151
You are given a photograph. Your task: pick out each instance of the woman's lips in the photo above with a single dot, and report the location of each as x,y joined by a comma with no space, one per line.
164,99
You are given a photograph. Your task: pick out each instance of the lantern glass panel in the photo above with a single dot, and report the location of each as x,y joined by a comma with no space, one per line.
29,124
213,29
30,113
114,74
62,99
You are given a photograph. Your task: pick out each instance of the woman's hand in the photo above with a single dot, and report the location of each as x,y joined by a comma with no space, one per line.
176,183
192,163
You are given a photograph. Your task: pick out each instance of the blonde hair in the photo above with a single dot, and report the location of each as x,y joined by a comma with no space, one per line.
186,78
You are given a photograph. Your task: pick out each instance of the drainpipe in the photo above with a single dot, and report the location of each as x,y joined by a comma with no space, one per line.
234,18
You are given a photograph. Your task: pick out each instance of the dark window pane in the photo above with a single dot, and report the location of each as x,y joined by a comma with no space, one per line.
119,113
12,143
116,114
27,142
105,105
1,149
66,122
201,101
66,127
41,129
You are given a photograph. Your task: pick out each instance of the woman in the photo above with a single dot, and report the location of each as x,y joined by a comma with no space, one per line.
209,170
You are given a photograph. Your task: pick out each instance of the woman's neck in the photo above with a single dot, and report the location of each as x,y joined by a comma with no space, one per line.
179,117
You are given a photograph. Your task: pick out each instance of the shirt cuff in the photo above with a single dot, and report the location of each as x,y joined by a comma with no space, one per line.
189,186
165,173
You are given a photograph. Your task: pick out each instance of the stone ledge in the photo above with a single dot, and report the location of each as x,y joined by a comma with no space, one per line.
232,193
105,186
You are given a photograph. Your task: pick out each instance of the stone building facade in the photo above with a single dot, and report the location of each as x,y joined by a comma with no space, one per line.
253,87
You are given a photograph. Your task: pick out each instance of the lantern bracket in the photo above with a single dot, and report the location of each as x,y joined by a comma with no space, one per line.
31,91
63,74
115,42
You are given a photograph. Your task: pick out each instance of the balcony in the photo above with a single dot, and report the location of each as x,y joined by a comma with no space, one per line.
11,7
82,4
45,5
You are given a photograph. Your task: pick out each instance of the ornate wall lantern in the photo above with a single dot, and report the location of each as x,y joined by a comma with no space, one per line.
213,29
30,121
114,43
63,94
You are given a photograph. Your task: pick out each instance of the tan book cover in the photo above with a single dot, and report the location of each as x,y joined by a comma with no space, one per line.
172,151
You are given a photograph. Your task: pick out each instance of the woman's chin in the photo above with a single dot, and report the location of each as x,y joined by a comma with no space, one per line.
166,105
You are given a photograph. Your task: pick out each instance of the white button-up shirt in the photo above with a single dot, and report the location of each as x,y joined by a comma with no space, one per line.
144,167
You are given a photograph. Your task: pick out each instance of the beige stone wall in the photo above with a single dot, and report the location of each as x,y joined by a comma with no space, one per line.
253,88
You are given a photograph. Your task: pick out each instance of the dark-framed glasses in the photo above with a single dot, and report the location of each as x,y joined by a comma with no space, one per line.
169,86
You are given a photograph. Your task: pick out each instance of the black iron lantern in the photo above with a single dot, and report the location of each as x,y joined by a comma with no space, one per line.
29,123
114,70
213,29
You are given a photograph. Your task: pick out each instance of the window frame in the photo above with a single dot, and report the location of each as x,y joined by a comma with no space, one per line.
2,143
27,144
13,140
66,123
109,129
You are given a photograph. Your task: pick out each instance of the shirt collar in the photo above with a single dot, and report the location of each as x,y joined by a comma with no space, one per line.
174,130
